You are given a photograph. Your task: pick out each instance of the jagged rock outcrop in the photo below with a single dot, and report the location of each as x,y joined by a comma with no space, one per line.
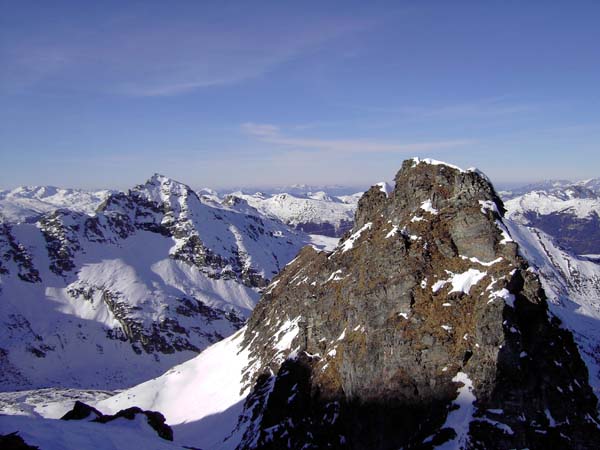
11,250
424,328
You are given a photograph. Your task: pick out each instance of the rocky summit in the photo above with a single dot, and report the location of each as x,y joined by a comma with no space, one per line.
424,328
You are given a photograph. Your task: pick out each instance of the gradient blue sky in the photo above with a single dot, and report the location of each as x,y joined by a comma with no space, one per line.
103,94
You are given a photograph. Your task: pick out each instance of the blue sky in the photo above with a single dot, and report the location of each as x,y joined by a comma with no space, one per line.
103,94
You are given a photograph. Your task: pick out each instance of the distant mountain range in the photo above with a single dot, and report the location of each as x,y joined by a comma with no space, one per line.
318,212
26,203
552,186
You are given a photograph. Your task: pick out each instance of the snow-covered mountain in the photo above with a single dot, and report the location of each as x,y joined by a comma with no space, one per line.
298,190
552,186
154,276
315,212
293,374
27,203
569,212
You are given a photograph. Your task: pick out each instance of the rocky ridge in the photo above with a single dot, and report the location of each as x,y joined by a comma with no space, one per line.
424,328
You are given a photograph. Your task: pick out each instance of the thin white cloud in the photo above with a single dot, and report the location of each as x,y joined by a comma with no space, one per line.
155,57
272,134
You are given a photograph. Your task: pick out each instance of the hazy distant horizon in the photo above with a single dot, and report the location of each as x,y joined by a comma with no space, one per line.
346,189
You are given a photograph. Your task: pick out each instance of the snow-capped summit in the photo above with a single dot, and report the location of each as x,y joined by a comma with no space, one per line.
322,195
161,189
152,277
592,184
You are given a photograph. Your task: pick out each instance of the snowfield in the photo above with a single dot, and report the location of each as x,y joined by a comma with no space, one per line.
52,434
572,285
201,399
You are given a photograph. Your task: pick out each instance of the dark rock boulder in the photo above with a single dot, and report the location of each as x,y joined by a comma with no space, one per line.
154,419
82,411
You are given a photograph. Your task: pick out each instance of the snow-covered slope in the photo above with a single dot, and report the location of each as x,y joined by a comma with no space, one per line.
201,399
48,434
554,223
26,203
110,300
316,212
569,213
572,285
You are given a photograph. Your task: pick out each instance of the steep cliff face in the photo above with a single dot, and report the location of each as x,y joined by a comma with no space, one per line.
424,328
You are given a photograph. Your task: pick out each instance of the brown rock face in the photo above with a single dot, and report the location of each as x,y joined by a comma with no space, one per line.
423,328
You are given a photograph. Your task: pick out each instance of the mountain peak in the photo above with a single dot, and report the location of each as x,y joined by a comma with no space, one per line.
429,187
159,179
432,162
162,189
424,304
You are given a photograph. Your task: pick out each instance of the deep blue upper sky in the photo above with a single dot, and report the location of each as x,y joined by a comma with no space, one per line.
103,94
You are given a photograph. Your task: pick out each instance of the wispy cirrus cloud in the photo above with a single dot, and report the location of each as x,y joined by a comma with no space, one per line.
148,55
272,134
